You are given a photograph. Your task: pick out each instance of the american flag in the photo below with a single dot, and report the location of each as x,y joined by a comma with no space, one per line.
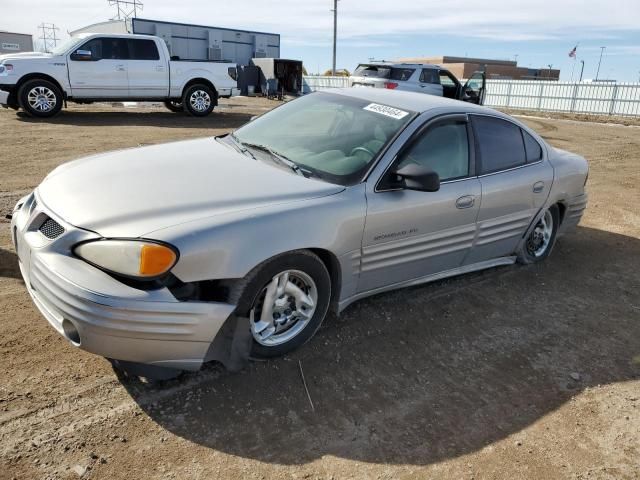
572,53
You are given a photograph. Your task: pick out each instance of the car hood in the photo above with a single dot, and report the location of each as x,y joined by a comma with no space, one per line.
25,55
132,192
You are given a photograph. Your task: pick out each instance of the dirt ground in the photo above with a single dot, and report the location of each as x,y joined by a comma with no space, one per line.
517,372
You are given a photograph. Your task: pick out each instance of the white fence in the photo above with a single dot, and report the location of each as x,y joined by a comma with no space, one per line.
589,98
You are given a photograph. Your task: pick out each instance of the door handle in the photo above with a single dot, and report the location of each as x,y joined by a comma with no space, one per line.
120,68
159,68
538,187
466,201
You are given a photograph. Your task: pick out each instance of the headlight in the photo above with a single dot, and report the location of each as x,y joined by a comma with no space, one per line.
132,258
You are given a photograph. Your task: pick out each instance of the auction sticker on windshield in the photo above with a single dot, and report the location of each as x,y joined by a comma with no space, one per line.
388,111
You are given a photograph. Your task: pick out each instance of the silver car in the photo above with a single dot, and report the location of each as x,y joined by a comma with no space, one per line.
420,77
146,255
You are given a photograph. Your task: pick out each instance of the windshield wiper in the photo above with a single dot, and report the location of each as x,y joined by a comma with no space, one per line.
278,157
240,146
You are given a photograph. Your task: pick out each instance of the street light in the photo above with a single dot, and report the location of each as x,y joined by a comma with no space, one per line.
599,62
581,70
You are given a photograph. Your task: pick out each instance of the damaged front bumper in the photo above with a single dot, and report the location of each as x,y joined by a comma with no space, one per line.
99,314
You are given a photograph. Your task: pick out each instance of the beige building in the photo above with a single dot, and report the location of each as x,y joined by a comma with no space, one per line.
463,67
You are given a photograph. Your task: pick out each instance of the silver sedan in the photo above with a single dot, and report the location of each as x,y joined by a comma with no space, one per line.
165,255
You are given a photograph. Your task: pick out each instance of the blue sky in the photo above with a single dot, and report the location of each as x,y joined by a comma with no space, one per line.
540,32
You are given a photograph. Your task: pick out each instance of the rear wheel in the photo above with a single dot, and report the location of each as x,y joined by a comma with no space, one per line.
174,105
541,239
199,100
40,98
286,299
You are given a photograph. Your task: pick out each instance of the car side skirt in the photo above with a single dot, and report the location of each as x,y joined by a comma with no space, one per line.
496,262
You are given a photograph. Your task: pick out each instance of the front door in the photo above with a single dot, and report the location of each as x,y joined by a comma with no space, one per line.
97,69
412,234
516,179
475,89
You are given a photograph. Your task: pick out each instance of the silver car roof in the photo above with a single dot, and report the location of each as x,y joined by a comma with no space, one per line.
414,101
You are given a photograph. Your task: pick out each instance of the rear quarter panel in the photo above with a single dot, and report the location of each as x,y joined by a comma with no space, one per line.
570,174
216,73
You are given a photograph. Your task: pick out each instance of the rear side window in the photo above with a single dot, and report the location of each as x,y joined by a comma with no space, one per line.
143,50
500,144
429,75
402,74
532,148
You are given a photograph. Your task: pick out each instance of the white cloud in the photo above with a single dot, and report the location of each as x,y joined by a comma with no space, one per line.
362,22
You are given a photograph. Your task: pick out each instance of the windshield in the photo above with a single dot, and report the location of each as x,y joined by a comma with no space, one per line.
335,137
66,45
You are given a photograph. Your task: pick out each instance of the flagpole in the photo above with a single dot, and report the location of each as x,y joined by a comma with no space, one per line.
573,68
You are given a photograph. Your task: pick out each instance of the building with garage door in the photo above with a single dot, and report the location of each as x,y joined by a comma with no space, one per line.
198,42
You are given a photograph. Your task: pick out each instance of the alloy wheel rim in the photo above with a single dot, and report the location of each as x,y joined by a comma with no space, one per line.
283,308
200,100
41,99
539,239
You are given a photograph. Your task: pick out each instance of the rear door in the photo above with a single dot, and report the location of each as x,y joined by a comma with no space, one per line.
103,73
410,234
148,70
429,82
475,89
516,179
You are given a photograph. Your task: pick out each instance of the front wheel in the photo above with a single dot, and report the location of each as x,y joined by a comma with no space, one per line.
40,98
286,299
537,246
199,100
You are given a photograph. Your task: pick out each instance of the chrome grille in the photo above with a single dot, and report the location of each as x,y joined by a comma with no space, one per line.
51,229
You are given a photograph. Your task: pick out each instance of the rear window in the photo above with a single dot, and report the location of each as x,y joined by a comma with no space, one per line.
402,74
500,144
374,71
143,50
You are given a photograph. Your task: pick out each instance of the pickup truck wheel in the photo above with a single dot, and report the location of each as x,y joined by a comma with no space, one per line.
40,98
286,299
174,106
199,100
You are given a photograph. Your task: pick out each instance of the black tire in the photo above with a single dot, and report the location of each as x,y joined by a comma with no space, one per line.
248,292
202,91
48,91
527,253
174,106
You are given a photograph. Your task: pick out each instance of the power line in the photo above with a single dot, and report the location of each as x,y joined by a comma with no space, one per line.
49,36
126,8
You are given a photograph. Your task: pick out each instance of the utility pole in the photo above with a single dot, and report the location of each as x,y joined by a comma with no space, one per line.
126,8
599,62
516,58
335,34
49,37
582,69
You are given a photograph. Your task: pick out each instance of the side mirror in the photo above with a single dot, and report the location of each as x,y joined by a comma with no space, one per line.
82,55
417,177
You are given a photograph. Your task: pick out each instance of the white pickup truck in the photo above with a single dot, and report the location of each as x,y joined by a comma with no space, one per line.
106,67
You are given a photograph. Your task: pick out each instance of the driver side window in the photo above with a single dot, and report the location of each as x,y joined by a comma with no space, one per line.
444,148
